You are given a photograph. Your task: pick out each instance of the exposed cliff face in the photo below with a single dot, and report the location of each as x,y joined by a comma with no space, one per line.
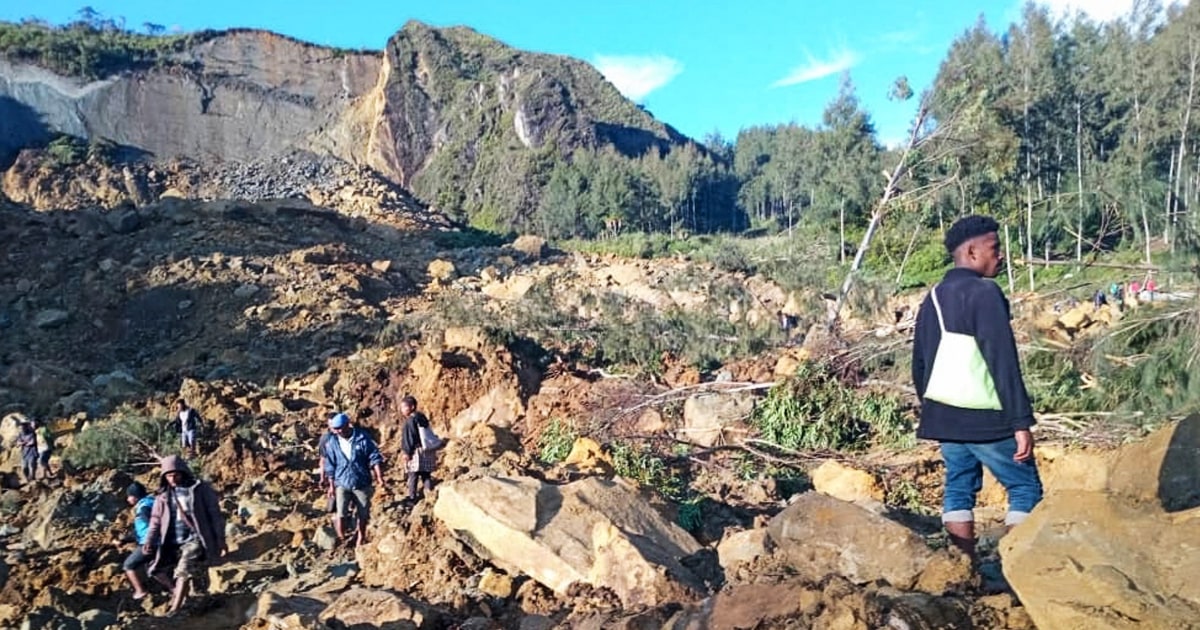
234,97
465,121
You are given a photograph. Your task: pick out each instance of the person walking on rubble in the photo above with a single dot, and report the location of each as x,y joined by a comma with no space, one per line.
143,504
187,424
322,481
351,459
420,445
186,527
968,379
45,448
27,442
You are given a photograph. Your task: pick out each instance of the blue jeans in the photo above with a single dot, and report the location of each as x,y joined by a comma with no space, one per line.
964,478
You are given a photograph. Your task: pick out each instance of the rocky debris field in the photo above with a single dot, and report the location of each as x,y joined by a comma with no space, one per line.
268,315
38,180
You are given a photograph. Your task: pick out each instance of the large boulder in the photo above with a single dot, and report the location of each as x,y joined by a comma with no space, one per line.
1123,557
846,483
369,608
226,577
709,418
818,535
500,407
280,611
592,531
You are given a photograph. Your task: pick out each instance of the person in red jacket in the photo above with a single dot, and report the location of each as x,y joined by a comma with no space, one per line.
186,527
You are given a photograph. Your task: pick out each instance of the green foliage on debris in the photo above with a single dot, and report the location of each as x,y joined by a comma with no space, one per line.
126,438
555,442
817,410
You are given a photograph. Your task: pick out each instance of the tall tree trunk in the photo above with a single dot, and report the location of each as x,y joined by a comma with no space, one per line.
1029,232
1079,179
1171,175
842,233
1028,169
1193,63
889,191
1141,172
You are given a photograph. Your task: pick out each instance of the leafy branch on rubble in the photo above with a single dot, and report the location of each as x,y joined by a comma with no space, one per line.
127,438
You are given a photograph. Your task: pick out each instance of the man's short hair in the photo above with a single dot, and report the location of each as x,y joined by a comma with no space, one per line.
410,401
968,228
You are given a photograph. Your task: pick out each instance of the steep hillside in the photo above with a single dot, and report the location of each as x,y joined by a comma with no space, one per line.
456,106
236,96
469,123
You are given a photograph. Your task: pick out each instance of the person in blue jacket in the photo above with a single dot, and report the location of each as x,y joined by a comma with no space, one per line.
142,503
975,403
351,460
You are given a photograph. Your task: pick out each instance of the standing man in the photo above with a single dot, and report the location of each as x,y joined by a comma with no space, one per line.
186,527
968,379
322,481
420,458
27,442
187,422
351,458
45,447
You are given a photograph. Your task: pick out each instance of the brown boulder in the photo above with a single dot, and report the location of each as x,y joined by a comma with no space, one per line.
592,531
818,535
1124,557
368,608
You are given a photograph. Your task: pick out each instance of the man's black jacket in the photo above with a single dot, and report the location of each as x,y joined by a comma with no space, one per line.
971,305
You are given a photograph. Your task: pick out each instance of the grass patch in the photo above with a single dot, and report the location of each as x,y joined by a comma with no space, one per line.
555,441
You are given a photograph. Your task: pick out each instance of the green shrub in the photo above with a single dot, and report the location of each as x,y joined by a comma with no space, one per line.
816,410
102,150
66,151
641,464
691,514
555,442
126,438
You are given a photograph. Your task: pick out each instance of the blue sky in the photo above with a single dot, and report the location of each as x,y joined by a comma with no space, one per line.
701,66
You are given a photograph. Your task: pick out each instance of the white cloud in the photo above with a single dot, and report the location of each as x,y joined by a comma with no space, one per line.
813,68
637,76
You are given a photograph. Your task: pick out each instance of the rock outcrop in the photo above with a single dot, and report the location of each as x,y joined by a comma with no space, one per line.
247,95
589,532
1121,557
818,535
252,94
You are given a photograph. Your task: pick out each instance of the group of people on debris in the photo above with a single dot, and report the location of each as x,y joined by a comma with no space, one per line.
36,443
179,529
1120,294
965,369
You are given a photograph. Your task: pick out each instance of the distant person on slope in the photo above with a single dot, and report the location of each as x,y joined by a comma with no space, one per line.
143,504
420,456
27,442
322,481
45,448
186,527
351,458
187,423
968,378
